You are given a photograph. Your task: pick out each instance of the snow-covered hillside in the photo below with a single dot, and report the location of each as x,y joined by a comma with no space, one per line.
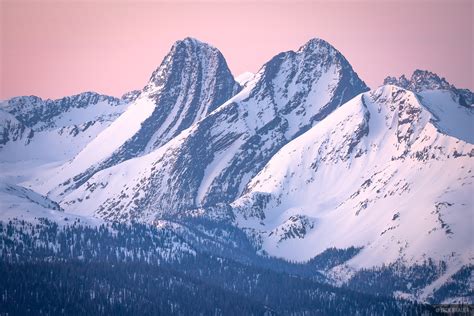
375,174
19,203
371,174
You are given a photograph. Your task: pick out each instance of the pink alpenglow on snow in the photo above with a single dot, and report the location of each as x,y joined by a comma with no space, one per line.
57,48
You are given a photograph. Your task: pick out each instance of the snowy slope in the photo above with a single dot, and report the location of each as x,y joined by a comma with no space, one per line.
17,202
245,78
449,116
192,81
54,130
213,160
373,174
451,107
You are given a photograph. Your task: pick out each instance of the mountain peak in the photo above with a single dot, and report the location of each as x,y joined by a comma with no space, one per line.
191,41
322,52
315,60
185,55
192,44
420,80
316,43
424,80
427,80
192,81
197,72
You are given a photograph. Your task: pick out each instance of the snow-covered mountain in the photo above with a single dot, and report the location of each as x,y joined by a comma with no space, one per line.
443,100
213,160
370,174
191,82
37,134
423,80
300,156
54,130
376,173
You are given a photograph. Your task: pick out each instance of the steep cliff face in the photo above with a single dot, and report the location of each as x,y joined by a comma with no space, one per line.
11,128
191,82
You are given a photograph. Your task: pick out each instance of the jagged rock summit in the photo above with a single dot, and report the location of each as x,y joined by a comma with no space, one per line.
420,80
424,80
191,82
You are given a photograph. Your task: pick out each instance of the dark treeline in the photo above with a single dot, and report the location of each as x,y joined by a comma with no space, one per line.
460,285
138,269
93,288
396,277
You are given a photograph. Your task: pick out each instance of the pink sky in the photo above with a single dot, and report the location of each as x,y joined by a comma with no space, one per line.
57,48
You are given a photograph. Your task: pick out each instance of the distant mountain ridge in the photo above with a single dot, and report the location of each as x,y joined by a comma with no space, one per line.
63,126
422,80
31,110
